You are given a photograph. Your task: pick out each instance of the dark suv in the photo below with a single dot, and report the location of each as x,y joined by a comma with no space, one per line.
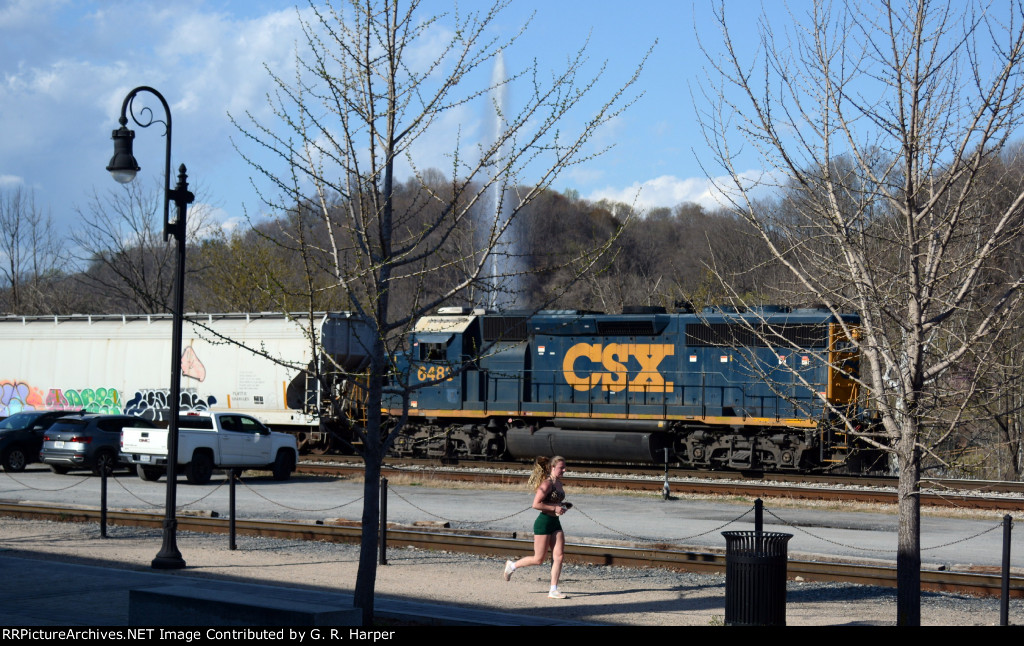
21,437
87,442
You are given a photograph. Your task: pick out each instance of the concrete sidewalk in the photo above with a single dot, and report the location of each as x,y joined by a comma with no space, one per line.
52,593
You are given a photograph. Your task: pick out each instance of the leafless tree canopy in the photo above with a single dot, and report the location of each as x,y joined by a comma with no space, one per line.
31,254
119,241
359,105
883,125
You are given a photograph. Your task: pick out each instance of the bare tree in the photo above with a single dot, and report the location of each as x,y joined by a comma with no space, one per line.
128,265
31,253
879,121
363,97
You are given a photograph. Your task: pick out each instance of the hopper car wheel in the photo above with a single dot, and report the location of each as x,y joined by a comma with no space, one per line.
14,459
322,447
283,465
200,469
149,474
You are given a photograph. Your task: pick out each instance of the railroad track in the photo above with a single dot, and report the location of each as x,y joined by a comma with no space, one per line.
935,493
490,543
657,471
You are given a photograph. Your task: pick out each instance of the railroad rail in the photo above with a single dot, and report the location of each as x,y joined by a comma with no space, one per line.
934,493
666,556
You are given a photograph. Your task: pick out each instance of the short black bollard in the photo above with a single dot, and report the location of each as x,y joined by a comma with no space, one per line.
232,476
382,554
665,491
1004,598
103,502
755,578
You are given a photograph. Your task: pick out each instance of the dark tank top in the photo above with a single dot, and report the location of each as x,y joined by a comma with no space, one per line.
554,496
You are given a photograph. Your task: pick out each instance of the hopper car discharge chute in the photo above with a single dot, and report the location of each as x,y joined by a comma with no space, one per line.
345,341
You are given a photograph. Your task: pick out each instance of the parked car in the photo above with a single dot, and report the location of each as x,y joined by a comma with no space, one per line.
88,442
21,437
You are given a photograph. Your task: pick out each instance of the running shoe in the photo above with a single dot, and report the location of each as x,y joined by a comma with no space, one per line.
509,569
557,594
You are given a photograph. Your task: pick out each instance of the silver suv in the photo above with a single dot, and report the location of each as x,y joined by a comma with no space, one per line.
86,442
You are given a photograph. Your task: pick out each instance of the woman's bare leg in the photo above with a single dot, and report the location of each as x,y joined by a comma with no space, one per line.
540,548
557,551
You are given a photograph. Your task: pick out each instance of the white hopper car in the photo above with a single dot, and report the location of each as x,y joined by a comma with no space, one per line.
247,363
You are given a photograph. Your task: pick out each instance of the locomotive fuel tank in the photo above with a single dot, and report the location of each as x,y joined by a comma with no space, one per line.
598,446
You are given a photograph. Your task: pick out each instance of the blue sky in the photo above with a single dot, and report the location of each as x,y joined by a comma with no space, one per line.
68,65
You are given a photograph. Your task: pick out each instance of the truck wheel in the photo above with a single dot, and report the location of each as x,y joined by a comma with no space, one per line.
200,469
283,465
149,474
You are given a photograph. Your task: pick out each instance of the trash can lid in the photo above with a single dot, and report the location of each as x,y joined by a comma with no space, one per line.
765,543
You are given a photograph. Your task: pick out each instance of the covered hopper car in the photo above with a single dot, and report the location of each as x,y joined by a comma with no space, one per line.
247,363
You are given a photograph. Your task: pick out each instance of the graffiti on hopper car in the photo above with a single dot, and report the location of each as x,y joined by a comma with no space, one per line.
191,366
106,401
151,403
16,396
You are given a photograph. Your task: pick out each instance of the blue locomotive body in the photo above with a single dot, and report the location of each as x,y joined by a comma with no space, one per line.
758,389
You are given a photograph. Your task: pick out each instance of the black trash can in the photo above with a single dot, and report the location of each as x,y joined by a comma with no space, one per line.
755,578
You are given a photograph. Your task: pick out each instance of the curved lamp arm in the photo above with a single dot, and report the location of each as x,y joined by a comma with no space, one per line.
123,166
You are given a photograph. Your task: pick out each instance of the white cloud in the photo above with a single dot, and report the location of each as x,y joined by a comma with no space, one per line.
204,220
9,181
666,190
669,191
232,224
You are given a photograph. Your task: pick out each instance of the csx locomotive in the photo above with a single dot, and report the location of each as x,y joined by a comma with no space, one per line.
757,389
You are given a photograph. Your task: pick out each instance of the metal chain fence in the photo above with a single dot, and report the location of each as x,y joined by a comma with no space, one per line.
483,522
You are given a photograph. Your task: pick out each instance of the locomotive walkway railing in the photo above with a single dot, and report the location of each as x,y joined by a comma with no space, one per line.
710,398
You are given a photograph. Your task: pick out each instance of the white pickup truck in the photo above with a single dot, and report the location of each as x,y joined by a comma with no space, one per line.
205,443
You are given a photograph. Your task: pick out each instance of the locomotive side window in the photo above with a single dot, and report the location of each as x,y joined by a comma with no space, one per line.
433,351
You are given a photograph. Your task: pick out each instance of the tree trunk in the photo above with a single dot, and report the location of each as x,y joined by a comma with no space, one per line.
366,578
908,555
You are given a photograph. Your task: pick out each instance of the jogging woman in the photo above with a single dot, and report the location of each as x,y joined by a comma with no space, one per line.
547,529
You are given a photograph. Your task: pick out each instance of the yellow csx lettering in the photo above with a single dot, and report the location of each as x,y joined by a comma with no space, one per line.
613,358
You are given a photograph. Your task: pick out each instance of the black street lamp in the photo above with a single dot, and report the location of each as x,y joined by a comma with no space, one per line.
124,167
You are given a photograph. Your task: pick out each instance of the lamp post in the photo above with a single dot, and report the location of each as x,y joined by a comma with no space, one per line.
124,167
